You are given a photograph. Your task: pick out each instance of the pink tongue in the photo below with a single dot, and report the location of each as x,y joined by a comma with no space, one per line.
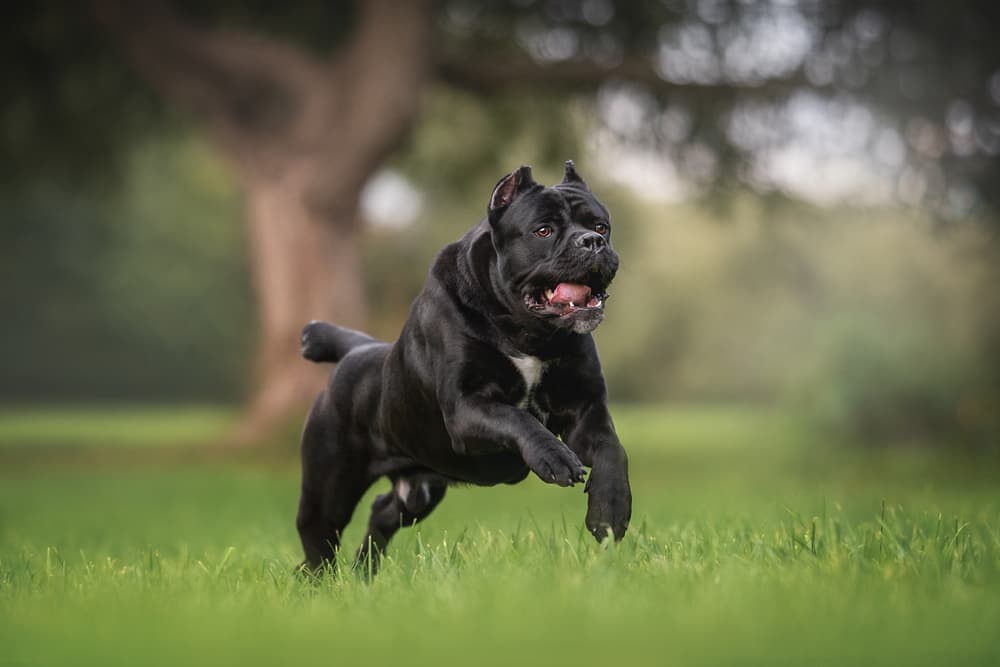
570,293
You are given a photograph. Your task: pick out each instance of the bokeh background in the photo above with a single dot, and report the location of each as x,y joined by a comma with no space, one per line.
802,346
804,193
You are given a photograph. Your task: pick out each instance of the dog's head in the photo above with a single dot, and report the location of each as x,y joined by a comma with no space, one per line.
553,249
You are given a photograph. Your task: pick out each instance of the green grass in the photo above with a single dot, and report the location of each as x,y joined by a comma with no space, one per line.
111,427
753,542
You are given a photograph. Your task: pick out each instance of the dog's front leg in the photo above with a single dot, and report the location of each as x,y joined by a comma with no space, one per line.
479,426
609,496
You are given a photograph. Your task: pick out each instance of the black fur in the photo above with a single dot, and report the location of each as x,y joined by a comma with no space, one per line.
447,403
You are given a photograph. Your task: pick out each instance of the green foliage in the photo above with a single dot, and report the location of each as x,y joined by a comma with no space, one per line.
752,543
902,386
133,295
497,135
71,108
874,322
75,107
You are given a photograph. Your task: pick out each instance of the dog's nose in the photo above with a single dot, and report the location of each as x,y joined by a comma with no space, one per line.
592,241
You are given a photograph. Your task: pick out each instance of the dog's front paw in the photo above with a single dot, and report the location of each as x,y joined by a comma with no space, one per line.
555,464
609,506
315,340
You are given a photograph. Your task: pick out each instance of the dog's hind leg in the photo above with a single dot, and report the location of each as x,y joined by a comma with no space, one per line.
334,478
411,500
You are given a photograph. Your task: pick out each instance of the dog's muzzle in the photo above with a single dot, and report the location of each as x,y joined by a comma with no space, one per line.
591,241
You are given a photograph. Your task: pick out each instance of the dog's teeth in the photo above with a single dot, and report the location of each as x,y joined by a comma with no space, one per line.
549,294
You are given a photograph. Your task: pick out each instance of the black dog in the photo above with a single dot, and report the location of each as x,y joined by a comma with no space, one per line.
494,365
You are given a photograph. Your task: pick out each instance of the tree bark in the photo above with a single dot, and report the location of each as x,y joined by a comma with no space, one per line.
303,135
307,267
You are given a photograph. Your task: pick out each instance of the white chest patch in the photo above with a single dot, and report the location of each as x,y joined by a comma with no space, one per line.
531,369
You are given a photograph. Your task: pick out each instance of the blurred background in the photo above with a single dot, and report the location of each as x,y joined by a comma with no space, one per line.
804,195
802,346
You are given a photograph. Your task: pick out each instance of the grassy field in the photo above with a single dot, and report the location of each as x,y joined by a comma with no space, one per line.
754,541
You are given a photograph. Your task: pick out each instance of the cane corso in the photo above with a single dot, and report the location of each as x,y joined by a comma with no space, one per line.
495,375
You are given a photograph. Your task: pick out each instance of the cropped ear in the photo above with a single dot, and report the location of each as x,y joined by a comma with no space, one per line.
509,187
571,177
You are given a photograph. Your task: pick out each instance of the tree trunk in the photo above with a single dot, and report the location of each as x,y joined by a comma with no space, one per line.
303,135
306,267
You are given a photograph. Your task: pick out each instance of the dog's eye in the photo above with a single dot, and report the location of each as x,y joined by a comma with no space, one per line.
543,232
602,228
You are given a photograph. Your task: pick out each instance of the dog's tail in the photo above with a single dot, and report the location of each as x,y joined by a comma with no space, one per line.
322,341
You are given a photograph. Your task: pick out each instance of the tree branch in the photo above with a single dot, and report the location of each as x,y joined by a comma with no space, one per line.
277,111
241,83
502,75
385,64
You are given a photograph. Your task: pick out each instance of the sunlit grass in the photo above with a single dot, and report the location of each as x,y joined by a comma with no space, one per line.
115,426
749,545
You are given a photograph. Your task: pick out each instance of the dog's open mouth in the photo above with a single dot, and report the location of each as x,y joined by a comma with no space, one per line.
565,299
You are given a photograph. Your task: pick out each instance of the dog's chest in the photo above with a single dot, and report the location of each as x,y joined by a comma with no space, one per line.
531,369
